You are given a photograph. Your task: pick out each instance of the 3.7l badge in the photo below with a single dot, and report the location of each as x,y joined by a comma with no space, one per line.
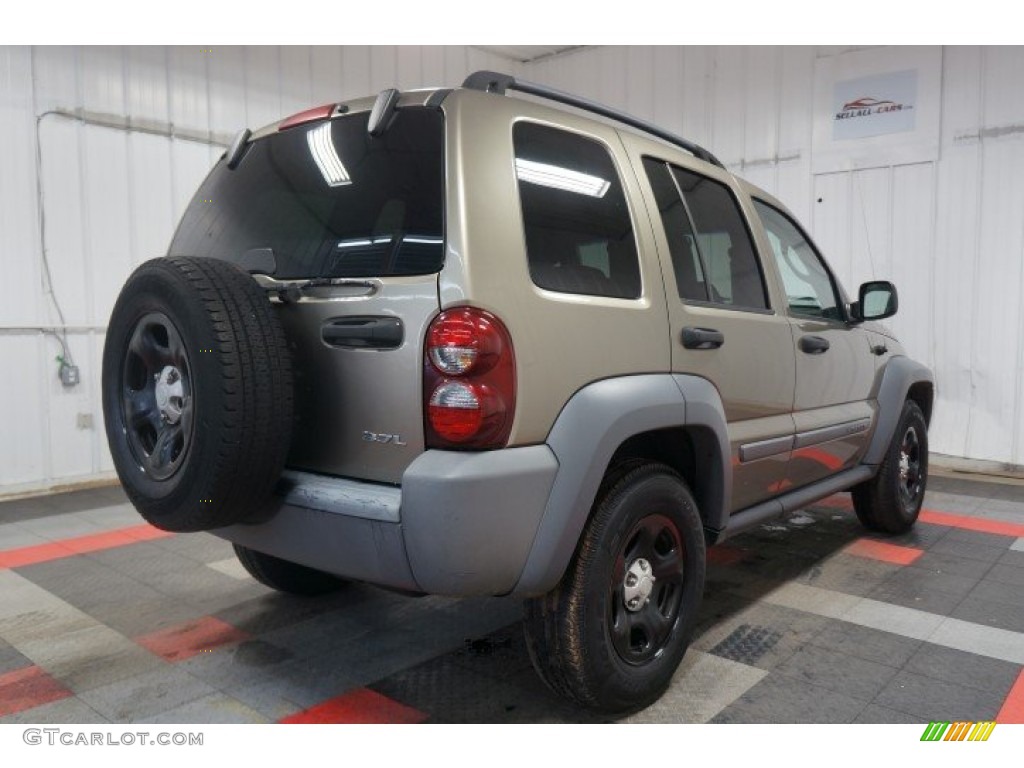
383,437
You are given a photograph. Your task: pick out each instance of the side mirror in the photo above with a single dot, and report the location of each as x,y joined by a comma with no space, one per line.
877,301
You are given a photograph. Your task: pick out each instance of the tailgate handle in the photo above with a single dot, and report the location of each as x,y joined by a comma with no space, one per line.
364,332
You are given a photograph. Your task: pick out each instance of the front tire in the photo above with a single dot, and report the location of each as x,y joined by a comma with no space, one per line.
610,637
891,501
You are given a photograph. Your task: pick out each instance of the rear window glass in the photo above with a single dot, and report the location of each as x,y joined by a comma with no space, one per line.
682,243
732,271
329,200
579,236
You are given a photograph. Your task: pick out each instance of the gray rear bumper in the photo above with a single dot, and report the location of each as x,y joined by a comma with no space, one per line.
461,523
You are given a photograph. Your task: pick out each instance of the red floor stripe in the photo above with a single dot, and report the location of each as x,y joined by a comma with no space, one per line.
1012,710
192,638
981,524
880,550
935,517
361,706
27,688
79,545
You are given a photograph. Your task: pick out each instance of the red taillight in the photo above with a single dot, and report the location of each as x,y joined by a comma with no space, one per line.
309,116
469,380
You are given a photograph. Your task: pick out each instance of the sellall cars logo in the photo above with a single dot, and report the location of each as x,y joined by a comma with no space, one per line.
866,106
937,731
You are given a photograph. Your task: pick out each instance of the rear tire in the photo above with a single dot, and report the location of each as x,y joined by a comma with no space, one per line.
891,501
197,393
606,637
286,576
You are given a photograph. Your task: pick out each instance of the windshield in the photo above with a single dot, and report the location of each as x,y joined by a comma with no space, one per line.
329,200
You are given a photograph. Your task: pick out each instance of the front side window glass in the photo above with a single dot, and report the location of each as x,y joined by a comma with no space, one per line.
810,290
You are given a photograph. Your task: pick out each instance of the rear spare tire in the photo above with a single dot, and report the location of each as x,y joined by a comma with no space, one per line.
197,393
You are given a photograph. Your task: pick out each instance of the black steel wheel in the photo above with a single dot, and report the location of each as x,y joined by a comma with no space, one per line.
891,501
911,480
197,393
156,396
646,589
611,634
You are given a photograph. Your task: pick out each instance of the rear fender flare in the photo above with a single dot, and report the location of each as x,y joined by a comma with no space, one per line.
592,425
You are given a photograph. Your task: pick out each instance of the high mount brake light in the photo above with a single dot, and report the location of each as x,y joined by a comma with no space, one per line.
307,116
468,381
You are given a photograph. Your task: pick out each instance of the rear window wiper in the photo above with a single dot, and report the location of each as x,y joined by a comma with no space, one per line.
292,290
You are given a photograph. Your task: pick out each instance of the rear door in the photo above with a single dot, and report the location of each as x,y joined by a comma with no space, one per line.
349,229
723,325
835,365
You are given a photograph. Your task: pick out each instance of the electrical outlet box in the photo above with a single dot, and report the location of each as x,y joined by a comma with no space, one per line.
69,375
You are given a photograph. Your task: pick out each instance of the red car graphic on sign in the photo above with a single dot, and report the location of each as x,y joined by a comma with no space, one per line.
865,102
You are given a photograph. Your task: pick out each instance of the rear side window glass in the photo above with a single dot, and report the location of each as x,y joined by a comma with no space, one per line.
579,236
682,243
730,263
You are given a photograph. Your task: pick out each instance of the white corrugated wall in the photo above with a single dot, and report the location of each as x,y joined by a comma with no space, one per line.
950,233
113,186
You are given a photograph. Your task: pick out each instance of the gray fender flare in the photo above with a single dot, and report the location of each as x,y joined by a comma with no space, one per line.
592,425
898,376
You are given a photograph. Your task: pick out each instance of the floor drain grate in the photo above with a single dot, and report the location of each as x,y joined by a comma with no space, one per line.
746,644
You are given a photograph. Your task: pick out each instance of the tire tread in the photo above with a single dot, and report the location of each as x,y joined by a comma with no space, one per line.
252,422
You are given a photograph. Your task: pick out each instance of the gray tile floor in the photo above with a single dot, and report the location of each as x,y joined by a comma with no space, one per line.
794,627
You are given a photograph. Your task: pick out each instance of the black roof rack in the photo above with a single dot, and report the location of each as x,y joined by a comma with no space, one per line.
496,82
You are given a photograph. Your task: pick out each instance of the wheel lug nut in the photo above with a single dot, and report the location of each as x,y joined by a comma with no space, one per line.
631,580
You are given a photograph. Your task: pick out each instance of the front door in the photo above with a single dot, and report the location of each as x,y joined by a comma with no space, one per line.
835,365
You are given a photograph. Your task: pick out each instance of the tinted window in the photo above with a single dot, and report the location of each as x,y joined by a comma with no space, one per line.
330,200
730,263
579,237
682,243
809,287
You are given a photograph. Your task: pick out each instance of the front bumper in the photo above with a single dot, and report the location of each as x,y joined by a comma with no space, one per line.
460,524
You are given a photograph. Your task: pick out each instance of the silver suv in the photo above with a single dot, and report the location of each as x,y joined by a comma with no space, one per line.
466,343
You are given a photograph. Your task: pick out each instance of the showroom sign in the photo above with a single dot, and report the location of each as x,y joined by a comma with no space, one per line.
875,105
876,108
